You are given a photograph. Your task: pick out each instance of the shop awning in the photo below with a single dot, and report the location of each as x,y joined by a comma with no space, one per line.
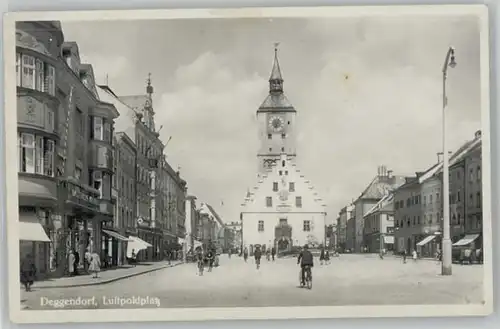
426,240
136,245
466,240
30,231
116,235
389,239
30,228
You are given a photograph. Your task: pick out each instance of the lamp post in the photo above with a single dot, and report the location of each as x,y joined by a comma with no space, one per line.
447,249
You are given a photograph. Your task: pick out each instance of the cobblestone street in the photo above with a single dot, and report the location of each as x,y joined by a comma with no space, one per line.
348,280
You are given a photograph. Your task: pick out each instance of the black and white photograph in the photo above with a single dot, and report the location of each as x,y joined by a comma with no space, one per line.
264,163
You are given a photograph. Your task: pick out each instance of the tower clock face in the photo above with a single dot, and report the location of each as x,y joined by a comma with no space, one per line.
276,123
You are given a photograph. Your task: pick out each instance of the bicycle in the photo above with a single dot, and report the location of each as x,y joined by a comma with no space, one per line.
307,277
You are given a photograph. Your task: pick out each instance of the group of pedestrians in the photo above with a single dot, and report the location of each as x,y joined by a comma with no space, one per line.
257,254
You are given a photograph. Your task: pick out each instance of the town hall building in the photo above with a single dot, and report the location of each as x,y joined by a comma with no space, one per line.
282,209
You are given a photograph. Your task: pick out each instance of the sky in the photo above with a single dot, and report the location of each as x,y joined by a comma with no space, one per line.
367,92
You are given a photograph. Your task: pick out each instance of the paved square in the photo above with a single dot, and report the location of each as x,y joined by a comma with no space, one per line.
348,280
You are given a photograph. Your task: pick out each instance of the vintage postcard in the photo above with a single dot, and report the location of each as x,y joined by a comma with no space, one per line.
264,163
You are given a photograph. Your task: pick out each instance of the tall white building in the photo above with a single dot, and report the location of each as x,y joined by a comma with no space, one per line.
282,209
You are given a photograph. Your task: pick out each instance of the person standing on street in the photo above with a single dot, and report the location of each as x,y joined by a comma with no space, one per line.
95,265
245,254
273,252
322,255
71,263
77,262
28,272
414,255
404,256
327,256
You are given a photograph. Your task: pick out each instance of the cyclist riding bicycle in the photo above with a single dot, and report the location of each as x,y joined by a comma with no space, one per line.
210,258
305,259
257,254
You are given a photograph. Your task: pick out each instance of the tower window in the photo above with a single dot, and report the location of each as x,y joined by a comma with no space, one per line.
261,226
269,201
281,173
269,136
307,226
270,149
282,149
291,187
283,163
283,136
275,186
298,202
288,122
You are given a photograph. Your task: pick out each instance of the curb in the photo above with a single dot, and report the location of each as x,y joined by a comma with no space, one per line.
126,276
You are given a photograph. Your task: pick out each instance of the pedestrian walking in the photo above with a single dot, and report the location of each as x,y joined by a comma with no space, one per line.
245,254
28,272
404,256
210,258
95,264
86,260
268,254
273,252
438,256
414,255
71,263
322,256
77,262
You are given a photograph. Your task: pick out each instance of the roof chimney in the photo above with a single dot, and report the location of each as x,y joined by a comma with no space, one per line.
477,135
440,157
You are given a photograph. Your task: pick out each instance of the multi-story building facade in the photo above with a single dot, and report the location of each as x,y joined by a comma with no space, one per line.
137,121
384,182
431,213
172,206
344,214
408,215
65,135
38,104
379,225
283,208
473,190
124,182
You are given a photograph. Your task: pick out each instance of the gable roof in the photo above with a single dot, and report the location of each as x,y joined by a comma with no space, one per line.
380,186
135,102
385,204
456,157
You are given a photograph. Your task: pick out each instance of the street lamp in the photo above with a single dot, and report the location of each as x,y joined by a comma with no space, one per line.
447,248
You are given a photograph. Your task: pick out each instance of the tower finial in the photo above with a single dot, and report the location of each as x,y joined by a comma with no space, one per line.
276,79
149,88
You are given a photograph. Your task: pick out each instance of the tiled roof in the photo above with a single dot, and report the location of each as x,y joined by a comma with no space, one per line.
27,41
380,186
136,102
278,102
384,204
216,215
456,157
276,71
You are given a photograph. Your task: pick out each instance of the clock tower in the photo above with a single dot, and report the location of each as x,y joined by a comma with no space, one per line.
276,118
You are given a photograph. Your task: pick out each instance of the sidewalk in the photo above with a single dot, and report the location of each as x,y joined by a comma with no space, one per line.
104,276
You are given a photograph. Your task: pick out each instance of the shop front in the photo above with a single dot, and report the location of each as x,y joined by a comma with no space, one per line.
37,204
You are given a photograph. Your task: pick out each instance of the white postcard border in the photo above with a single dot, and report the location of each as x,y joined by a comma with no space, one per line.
202,314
